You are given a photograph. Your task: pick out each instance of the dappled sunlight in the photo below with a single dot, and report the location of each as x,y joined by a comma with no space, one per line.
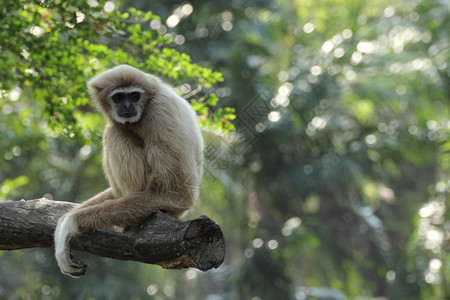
434,232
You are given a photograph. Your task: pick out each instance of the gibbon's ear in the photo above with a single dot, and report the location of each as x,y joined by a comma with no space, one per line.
97,91
94,88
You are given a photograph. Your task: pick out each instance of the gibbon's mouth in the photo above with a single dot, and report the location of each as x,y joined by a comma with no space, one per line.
127,114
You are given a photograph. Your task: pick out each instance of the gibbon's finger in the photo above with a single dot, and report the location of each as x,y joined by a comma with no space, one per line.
75,263
69,266
72,267
78,269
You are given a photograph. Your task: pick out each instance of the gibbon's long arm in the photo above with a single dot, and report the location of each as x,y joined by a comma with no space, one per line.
152,158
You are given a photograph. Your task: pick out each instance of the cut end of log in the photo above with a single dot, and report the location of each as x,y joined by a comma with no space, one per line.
198,243
208,243
205,244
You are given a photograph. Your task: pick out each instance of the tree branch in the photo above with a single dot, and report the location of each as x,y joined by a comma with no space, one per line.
162,240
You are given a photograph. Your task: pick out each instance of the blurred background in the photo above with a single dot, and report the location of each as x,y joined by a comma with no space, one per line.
333,185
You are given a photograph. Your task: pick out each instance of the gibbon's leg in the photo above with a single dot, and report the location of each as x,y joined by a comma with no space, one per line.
97,199
126,211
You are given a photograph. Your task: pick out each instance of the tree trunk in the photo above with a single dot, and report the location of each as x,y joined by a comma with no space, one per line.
162,239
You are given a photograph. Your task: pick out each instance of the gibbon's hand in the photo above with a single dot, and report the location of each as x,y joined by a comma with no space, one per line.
65,230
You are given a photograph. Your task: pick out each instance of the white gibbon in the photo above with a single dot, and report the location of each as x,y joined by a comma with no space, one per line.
152,158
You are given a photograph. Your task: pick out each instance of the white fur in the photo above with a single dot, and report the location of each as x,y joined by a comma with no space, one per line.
127,90
64,231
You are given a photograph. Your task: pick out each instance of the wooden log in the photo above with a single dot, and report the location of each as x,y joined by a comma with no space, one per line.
162,239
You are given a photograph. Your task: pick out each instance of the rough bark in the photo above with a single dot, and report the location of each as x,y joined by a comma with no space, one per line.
162,240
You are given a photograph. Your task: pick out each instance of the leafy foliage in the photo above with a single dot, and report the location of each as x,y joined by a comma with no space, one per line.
57,45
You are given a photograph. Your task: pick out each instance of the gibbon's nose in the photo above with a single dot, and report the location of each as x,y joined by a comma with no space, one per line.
127,110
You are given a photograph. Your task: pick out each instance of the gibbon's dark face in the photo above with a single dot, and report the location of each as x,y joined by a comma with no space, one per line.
127,104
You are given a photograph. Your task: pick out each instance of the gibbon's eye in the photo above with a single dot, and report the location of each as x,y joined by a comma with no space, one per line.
117,97
134,96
